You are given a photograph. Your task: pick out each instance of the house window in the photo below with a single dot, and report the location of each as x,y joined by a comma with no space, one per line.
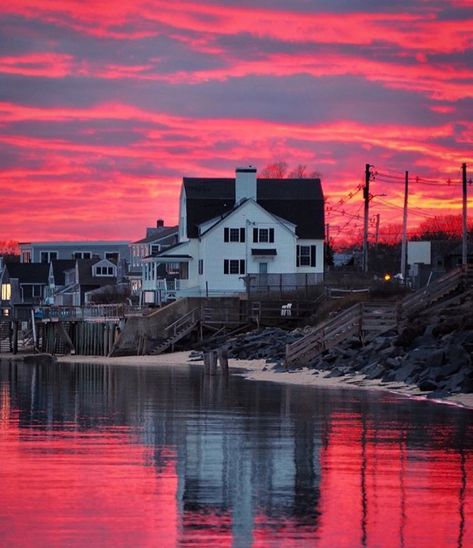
234,266
201,266
305,255
155,249
36,291
233,234
112,256
26,257
263,235
6,292
104,271
82,255
183,271
48,256
172,268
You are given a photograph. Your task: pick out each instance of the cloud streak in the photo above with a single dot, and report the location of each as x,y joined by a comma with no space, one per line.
113,105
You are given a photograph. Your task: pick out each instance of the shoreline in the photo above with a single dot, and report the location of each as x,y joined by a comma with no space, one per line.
259,370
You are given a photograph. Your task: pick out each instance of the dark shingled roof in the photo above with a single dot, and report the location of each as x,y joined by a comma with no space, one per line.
59,268
85,273
28,273
160,233
299,201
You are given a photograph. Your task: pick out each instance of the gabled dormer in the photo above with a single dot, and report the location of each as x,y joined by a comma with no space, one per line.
104,268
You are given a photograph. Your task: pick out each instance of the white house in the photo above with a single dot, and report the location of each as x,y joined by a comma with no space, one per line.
238,233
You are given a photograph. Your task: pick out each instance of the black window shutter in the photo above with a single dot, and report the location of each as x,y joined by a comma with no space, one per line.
312,255
298,255
225,235
255,234
242,266
225,266
242,234
271,235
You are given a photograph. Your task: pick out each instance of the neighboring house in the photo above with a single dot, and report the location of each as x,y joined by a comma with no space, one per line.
23,284
157,239
239,233
86,275
57,278
45,252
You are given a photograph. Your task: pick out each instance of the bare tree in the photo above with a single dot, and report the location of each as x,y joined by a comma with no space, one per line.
279,170
441,227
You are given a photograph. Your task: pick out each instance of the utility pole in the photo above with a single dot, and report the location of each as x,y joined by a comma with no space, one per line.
377,229
404,231
465,227
327,234
366,197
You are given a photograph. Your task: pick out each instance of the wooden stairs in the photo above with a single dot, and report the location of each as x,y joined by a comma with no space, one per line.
173,333
367,320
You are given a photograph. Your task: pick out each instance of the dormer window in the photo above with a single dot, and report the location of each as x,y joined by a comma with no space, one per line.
103,271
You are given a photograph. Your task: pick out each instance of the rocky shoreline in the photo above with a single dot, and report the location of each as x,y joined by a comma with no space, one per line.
433,352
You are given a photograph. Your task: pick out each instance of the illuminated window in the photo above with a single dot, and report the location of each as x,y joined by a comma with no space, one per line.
6,292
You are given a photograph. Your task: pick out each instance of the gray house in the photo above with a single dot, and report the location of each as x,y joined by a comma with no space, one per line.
22,287
45,252
157,239
85,276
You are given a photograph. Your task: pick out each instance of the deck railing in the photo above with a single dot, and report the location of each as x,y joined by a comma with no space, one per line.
87,312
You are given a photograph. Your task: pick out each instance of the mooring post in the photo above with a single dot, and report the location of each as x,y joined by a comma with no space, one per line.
223,359
213,362
206,363
15,337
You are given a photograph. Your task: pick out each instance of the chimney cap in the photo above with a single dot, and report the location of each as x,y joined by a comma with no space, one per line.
246,169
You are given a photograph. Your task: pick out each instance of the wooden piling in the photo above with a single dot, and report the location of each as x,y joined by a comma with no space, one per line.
15,337
223,359
207,363
213,362
111,337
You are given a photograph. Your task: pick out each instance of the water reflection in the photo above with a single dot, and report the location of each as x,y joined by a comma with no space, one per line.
122,455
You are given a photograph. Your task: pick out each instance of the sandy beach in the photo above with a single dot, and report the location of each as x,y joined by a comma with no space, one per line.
259,370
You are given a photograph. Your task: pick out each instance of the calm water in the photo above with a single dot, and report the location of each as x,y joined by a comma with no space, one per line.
140,457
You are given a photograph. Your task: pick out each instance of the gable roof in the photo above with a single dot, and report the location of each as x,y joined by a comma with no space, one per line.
160,234
84,267
242,204
28,273
299,201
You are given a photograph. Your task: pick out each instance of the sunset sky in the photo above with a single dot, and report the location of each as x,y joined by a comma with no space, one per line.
105,106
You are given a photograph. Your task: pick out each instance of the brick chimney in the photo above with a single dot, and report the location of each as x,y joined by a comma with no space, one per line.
159,223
